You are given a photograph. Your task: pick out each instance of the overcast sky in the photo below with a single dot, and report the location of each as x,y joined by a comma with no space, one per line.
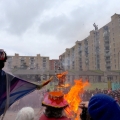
48,27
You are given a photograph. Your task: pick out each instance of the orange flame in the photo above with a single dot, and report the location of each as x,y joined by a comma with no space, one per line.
61,77
73,98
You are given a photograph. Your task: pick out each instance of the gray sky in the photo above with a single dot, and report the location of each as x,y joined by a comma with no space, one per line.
48,27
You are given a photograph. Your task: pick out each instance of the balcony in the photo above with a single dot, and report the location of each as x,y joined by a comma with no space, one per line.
107,60
108,57
106,38
80,49
107,48
106,45
108,68
107,54
108,65
106,42
80,52
32,58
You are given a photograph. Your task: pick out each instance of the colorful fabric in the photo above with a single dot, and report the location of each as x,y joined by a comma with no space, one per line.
18,89
103,107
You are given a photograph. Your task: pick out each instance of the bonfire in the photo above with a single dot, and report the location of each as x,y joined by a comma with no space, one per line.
73,95
74,100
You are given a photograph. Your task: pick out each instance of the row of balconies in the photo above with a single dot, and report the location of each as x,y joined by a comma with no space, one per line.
107,54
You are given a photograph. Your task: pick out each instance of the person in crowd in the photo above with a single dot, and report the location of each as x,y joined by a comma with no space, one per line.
103,107
116,99
3,58
55,105
26,113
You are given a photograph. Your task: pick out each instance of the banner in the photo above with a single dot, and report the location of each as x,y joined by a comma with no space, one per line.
115,86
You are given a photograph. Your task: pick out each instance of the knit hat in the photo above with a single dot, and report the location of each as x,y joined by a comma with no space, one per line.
103,107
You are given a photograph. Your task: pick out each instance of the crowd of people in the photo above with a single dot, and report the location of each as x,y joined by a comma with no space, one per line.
113,93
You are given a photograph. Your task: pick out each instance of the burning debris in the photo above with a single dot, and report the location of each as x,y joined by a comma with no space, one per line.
73,98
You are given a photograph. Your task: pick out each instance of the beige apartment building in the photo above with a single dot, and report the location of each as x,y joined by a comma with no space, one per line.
99,51
27,62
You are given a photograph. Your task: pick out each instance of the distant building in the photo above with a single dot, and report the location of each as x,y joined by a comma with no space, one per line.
27,62
99,51
54,64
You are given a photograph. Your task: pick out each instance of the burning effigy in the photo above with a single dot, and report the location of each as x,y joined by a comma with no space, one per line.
62,85
61,78
73,98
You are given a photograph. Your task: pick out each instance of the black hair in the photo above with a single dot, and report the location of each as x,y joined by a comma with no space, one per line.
2,62
52,112
85,115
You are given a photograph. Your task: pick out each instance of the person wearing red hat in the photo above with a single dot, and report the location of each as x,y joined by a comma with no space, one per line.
55,105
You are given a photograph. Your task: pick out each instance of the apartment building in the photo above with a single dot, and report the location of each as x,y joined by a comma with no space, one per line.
27,62
54,64
99,51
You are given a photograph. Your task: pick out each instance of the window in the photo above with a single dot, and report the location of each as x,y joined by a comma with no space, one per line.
114,44
44,59
44,64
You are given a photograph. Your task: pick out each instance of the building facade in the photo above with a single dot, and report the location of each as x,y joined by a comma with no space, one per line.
54,64
99,51
27,62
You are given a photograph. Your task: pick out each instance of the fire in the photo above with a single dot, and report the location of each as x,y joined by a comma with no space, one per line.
73,97
61,77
